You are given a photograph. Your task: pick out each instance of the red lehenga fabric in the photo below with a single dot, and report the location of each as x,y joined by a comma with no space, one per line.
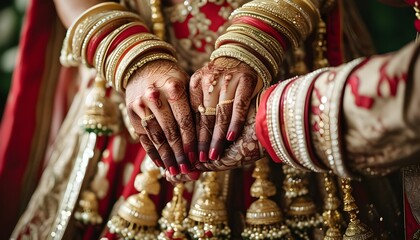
28,105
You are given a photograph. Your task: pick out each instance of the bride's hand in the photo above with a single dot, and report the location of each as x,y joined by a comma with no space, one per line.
220,95
245,150
159,110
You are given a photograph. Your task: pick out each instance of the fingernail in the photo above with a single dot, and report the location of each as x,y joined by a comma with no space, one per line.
173,170
184,168
230,136
191,157
203,156
214,154
194,175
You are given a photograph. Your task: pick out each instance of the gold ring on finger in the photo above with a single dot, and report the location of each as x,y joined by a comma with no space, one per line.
147,118
225,102
208,111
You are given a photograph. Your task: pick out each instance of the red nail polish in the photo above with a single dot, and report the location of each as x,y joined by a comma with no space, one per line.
184,168
194,175
230,136
173,170
203,156
214,154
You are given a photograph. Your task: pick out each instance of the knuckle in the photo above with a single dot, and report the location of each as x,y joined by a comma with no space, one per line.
174,84
175,89
152,94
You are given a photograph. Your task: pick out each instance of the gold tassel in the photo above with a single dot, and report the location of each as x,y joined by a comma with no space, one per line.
207,218
332,216
101,117
137,217
320,46
87,210
264,218
356,230
173,215
158,21
302,217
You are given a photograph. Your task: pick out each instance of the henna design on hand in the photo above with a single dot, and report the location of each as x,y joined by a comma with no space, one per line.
245,150
150,150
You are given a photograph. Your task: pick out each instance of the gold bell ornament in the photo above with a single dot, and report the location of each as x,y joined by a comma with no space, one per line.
264,218
207,218
173,215
356,230
87,209
331,215
137,217
302,216
101,114
101,117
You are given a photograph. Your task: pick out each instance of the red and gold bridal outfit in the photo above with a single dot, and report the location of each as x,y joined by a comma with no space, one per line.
193,29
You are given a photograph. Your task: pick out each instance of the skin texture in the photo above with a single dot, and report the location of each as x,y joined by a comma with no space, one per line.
245,150
223,80
69,11
160,88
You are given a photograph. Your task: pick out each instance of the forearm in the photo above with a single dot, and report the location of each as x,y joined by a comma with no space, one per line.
359,116
69,11
382,113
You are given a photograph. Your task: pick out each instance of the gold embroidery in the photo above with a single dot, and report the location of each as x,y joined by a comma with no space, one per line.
194,50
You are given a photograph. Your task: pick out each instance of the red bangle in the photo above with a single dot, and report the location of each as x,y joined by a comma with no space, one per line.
125,34
282,122
261,127
123,54
263,27
252,51
98,37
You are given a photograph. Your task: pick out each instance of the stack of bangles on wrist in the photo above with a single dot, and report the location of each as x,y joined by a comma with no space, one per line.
114,41
289,112
261,32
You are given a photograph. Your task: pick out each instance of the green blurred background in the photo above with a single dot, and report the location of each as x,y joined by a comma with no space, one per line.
390,28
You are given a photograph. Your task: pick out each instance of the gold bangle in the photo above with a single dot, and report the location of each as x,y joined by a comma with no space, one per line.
102,51
149,58
246,57
112,61
81,30
292,16
293,38
65,57
136,51
274,125
273,45
117,17
298,116
283,22
311,9
289,122
253,44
